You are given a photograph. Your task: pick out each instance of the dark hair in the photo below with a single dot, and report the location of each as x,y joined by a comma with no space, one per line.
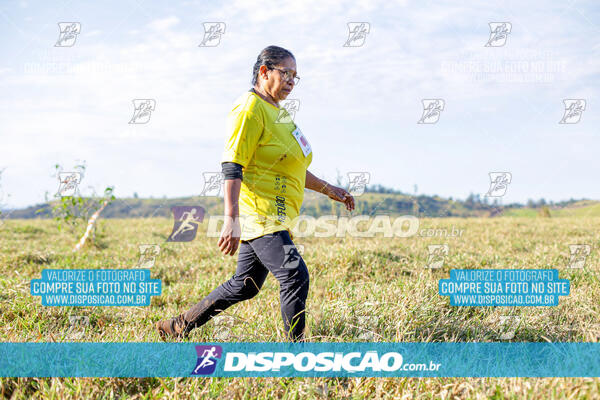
269,56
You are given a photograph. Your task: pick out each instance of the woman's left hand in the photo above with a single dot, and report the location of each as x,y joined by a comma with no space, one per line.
341,195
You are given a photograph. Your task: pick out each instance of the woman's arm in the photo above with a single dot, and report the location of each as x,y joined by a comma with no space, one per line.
314,183
333,192
230,235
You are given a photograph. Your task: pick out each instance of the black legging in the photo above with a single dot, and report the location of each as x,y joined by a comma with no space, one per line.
273,252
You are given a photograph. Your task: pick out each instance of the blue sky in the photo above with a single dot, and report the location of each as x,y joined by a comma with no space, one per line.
359,106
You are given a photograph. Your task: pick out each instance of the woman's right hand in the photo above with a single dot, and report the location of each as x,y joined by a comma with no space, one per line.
230,235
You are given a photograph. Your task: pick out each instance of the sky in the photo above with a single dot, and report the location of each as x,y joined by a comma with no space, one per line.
359,104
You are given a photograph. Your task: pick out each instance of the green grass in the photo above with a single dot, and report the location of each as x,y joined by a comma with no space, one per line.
361,289
586,208
520,212
580,209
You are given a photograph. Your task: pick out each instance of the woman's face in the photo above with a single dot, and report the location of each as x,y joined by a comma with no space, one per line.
274,82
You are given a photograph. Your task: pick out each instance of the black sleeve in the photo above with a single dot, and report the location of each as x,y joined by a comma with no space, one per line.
231,170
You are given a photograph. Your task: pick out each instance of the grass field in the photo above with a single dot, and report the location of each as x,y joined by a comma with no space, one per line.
579,209
361,289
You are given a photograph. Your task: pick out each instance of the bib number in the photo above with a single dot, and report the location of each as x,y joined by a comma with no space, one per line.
302,141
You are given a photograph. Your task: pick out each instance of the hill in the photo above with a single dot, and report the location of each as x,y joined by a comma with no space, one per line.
373,202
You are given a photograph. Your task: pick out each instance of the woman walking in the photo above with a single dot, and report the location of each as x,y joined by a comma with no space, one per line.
265,170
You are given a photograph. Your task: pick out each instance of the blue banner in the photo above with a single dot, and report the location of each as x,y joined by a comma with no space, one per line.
504,287
300,359
95,287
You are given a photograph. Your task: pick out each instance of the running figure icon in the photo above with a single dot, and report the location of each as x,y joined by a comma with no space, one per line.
207,359
185,225
208,354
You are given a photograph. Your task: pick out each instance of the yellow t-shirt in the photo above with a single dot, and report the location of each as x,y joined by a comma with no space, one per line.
274,156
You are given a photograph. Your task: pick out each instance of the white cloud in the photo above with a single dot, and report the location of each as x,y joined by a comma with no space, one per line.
164,24
79,102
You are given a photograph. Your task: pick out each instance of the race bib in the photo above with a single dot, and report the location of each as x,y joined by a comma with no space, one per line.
301,139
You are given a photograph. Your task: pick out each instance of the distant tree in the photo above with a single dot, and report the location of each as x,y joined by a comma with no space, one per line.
469,202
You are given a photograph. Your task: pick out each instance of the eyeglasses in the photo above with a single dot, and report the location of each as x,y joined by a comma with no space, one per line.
287,75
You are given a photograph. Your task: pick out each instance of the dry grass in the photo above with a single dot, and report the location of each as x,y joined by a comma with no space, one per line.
361,289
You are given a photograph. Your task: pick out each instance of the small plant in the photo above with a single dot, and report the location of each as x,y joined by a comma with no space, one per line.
75,210
544,212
